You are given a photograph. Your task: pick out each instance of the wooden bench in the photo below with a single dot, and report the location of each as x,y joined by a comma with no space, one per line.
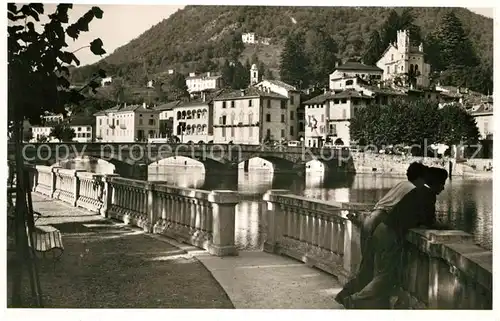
47,242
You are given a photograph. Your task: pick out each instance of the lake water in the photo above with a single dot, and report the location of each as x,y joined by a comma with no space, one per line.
466,204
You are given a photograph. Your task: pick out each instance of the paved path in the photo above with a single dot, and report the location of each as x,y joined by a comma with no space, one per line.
251,279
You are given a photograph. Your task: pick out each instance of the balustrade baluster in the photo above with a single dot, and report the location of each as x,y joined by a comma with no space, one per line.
209,218
194,208
296,223
318,226
302,225
163,205
340,237
199,213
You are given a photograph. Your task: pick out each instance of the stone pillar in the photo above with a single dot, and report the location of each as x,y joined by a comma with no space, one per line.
107,194
275,220
150,208
53,171
76,186
441,287
352,247
223,222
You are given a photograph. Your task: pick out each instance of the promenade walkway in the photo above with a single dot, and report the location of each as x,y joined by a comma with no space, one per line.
108,264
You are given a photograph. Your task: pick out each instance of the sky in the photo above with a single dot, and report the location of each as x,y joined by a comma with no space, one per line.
122,23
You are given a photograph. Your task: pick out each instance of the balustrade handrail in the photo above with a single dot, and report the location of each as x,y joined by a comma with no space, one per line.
455,272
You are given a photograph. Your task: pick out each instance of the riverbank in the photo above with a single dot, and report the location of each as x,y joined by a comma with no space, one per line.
394,165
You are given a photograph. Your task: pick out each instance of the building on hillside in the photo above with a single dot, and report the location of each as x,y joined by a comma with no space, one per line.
166,118
106,81
248,37
41,133
84,128
127,123
193,121
52,118
209,80
301,123
345,75
293,103
401,58
250,116
483,113
328,116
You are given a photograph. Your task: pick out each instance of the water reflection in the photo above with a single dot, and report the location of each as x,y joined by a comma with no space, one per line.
465,204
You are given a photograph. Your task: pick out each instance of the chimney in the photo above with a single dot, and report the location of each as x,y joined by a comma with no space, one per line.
242,91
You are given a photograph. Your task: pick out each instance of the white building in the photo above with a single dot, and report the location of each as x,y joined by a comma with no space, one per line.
209,80
293,103
41,132
127,123
84,129
250,116
248,37
106,81
193,122
401,58
346,74
167,118
52,119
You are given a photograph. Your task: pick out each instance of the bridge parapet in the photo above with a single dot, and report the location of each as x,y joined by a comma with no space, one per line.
202,218
445,269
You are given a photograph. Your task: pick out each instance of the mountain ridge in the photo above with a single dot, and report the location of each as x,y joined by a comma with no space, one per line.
204,32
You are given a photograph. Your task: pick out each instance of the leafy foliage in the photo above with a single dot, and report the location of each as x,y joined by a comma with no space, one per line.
63,132
37,62
417,122
294,62
189,35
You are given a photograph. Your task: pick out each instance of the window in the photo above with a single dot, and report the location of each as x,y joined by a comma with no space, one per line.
392,57
250,103
292,99
80,129
232,103
291,130
89,128
282,133
224,132
291,114
250,118
283,104
333,129
268,117
140,121
232,131
343,101
224,120
282,118
151,122
349,82
269,103
223,104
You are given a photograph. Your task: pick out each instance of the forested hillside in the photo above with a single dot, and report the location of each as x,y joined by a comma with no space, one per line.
202,37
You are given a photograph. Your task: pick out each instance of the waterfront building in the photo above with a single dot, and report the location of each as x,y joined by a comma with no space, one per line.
250,116
84,128
41,132
401,58
293,102
127,123
347,74
483,113
209,80
166,118
328,116
193,121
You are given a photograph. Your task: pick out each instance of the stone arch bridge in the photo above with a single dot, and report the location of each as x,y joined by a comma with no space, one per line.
131,159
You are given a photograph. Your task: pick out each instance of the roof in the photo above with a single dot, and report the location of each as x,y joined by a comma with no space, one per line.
168,106
197,102
349,93
248,92
213,75
383,91
281,84
125,108
353,65
482,109
319,99
81,120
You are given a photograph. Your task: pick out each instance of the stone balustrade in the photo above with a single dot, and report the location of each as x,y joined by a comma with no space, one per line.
444,270
202,218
